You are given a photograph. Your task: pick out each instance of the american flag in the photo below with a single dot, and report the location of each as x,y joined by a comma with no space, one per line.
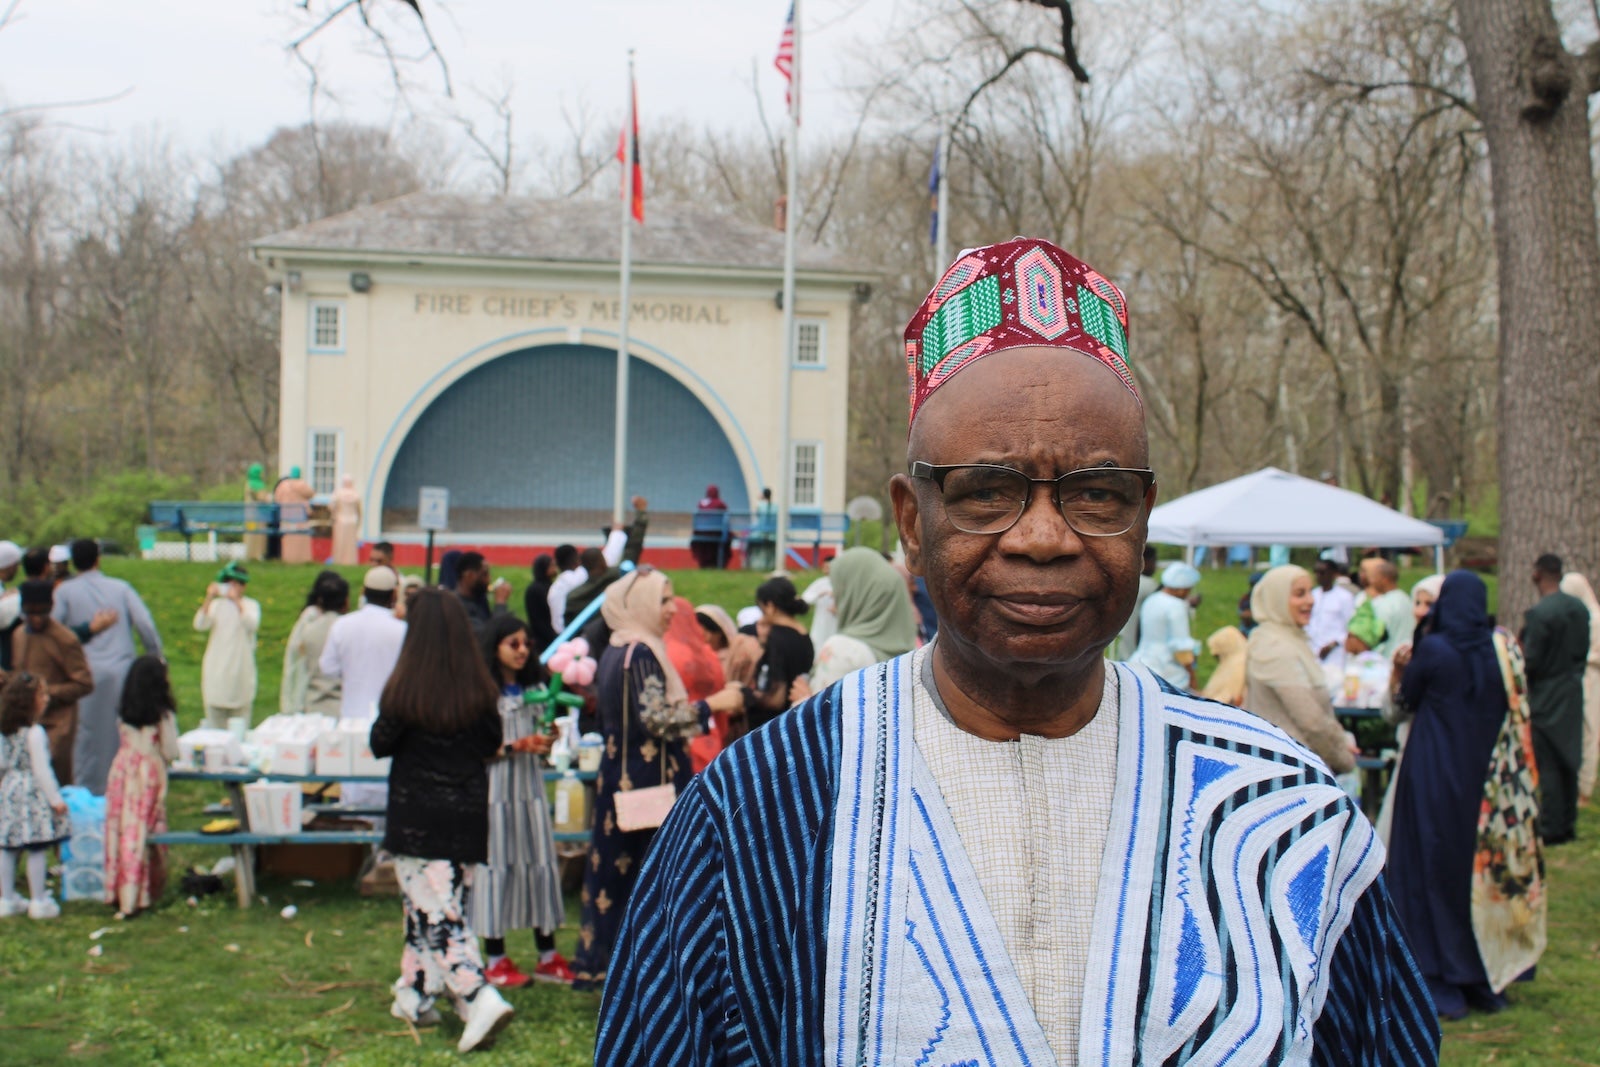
784,60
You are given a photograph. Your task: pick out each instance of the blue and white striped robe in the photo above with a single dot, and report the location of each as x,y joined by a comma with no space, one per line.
1241,918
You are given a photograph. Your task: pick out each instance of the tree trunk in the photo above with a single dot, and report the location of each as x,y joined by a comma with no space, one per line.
1549,262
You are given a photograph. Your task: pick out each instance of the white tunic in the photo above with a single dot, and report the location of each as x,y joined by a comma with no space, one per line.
228,671
1164,632
1032,815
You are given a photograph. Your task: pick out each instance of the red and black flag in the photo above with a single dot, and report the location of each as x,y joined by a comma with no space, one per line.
628,155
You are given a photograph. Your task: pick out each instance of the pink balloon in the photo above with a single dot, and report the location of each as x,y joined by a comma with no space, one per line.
561,660
579,646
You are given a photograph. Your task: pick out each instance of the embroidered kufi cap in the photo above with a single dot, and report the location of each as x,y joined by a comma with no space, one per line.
1016,294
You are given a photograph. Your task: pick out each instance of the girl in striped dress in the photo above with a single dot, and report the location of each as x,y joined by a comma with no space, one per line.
520,887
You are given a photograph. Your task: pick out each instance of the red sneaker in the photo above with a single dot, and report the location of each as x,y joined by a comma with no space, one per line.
554,970
505,975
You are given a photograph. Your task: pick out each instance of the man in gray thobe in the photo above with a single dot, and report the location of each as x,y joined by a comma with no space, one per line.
1555,643
110,655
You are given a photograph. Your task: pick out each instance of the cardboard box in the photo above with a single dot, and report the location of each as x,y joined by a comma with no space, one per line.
273,807
336,753
366,765
291,756
363,763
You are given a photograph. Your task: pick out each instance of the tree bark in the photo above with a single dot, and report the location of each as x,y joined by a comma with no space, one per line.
1532,99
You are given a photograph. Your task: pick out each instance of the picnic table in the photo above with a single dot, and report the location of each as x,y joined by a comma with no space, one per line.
1374,769
244,842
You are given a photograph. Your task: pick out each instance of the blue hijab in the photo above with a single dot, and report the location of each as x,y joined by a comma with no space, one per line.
1461,617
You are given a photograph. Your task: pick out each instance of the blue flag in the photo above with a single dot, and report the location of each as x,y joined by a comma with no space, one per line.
933,189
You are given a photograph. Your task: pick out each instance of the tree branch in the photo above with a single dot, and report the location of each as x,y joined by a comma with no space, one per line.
1589,61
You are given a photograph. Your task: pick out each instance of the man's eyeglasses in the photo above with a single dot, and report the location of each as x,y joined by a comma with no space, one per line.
984,498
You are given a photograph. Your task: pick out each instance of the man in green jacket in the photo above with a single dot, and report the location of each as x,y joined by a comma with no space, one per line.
1555,641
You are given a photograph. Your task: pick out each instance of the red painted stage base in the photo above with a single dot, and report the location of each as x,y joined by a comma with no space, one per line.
519,557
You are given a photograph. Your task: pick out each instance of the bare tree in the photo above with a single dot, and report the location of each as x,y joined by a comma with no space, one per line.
31,202
1532,96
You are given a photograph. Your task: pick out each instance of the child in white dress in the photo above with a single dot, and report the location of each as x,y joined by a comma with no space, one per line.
32,814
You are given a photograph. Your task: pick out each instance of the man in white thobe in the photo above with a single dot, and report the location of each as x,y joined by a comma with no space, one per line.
361,651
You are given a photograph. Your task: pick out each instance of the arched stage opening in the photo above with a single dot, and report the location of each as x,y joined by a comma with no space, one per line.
526,444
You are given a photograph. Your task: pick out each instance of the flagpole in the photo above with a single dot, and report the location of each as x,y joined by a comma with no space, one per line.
619,472
941,243
791,214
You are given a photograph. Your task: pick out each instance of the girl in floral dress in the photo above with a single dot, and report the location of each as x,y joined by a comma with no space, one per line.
136,792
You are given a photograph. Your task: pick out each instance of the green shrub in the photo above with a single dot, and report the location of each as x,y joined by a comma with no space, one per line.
110,507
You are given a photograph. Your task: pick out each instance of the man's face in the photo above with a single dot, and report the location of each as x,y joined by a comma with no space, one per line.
37,617
1325,574
8,573
381,558
1039,593
480,579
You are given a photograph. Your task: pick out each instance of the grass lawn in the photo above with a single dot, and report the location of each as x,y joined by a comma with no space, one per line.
212,986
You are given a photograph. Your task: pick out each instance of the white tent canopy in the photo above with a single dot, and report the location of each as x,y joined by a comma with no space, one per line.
1274,507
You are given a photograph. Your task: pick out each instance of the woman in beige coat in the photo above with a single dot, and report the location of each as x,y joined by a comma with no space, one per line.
1283,677
1575,584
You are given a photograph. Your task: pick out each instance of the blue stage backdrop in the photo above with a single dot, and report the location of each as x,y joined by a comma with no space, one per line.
526,440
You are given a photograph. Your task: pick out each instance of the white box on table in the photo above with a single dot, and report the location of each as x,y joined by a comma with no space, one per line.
293,756
365,764
336,753
273,807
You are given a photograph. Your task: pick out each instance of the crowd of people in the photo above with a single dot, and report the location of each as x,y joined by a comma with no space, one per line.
675,684
1496,734
1000,816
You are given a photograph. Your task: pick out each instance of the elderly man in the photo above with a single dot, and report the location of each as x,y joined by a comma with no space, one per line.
1384,621
1003,849
83,600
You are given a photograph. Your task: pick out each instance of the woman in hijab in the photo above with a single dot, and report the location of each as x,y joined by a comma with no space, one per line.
877,620
1227,682
1423,595
738,653
646,716
700,668
1575,584
1454,687
1283,676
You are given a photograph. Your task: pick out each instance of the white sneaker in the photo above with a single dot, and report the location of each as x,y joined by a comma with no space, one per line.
487,1015
428,1016
45,908
10,906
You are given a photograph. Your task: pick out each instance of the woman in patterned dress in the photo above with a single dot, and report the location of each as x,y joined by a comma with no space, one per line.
136,791
520,887
646,716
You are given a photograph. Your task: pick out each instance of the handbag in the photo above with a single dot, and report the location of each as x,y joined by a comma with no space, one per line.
640,809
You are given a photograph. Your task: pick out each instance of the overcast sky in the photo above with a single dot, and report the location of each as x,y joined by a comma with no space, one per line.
215,74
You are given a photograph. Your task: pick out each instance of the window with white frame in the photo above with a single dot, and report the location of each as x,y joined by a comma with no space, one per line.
806,466
327,326
324,454
810,342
